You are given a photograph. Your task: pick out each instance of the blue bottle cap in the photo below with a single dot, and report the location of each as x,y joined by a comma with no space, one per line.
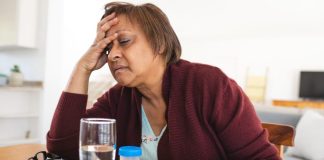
130,151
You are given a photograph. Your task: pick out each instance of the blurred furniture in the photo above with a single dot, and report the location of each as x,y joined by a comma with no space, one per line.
281,115
98,87
256,82
299,103
309,140
280,135
20,152
20,121
309,129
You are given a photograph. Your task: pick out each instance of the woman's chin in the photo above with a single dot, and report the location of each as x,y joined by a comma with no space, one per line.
125,80
124,83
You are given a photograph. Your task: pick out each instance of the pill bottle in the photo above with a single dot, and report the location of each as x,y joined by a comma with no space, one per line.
130,153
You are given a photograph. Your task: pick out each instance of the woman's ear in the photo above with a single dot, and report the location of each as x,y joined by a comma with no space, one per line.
162,49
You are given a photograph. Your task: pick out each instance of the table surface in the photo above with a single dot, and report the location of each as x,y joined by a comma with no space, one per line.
21,151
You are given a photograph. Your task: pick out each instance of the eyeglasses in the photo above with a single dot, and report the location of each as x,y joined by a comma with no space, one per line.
43,155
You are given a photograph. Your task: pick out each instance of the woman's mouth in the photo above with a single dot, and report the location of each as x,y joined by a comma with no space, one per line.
119,69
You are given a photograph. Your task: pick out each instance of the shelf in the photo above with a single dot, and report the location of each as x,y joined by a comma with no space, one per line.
27,86
18,115
8,142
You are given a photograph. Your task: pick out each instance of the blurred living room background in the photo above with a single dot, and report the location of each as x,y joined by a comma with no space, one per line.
264,45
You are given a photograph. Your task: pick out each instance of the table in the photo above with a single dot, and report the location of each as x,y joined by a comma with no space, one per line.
299,103
21,151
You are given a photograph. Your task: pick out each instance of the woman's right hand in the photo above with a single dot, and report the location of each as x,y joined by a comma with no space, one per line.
96,57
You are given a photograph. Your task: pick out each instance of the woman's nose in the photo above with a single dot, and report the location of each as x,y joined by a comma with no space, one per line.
115,53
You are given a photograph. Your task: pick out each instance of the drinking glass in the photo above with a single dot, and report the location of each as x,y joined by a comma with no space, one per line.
97,139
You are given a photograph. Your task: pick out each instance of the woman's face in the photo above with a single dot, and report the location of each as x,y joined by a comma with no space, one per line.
131,58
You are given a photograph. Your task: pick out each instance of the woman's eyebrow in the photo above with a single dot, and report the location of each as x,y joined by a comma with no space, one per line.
118,31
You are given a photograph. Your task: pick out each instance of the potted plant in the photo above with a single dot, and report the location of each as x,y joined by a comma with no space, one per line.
16,77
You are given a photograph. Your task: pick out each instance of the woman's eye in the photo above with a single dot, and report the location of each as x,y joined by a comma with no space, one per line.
124,41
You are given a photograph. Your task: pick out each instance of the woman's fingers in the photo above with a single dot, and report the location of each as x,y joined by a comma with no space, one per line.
106,19
101,33
102,44
98,49
104,25
95,58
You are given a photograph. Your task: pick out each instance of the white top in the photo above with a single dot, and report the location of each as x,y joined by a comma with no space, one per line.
149,140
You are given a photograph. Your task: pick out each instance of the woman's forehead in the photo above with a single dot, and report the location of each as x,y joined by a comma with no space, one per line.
123,25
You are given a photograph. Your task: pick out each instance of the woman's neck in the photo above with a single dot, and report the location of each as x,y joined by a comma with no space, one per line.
152,88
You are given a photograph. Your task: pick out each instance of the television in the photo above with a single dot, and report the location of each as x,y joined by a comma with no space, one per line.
311,85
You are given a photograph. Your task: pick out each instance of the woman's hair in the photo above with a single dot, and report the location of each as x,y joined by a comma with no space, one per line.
155,25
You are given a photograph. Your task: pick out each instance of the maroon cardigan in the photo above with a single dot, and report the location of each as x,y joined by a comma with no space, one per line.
208,117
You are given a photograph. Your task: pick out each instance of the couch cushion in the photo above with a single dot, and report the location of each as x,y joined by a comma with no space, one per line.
309,139
291,157
279,115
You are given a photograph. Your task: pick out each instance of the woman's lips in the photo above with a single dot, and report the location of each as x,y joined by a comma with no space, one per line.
119,69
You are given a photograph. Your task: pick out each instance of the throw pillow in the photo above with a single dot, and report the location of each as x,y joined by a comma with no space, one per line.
309,138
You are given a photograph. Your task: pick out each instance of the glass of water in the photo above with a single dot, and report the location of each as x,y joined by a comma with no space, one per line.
97,139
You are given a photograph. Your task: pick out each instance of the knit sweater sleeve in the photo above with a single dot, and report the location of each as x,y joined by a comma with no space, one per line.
237,125
63,136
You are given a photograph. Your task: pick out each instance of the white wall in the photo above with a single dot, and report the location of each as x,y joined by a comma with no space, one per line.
31,62
284,35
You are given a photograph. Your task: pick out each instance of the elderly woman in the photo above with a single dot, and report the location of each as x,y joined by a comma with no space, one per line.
193,111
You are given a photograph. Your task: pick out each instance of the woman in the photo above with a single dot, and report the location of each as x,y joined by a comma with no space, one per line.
192,111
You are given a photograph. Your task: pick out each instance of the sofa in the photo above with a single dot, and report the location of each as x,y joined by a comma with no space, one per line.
309,130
